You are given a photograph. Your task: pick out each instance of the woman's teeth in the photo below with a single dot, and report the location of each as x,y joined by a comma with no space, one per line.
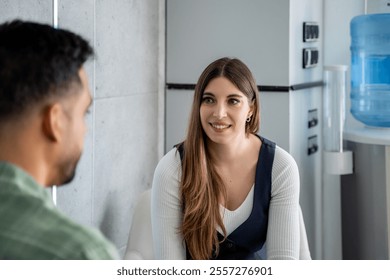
218,126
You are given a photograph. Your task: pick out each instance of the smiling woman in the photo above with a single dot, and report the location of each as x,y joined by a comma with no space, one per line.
224,109
225,191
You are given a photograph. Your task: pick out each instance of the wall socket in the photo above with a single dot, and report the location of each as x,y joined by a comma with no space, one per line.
312,118
312,145
311,31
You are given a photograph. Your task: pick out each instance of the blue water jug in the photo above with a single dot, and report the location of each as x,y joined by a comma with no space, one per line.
370,69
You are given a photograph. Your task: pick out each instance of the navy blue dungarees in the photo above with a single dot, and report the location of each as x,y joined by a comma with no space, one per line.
246,240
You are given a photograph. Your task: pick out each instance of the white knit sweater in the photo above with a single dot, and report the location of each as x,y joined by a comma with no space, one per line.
283,223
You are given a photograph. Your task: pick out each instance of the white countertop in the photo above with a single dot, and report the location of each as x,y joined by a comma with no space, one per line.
366,134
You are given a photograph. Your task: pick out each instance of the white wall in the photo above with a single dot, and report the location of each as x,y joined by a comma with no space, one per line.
125,137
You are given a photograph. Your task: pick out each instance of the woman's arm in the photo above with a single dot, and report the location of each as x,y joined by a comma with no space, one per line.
283,224
166,209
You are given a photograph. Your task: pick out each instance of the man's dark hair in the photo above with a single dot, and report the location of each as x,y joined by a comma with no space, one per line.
37,61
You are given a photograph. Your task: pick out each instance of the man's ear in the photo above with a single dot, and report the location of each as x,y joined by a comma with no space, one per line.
52,122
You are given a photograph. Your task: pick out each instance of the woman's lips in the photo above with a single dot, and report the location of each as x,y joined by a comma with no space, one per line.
220,126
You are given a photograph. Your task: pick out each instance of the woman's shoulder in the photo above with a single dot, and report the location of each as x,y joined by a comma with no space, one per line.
169,163
282,157
172,155
284,162
285,173
166,179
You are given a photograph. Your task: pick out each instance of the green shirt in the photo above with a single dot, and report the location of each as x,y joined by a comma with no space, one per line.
31,227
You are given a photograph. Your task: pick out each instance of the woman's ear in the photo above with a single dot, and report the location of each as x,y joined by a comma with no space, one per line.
250,113
52,122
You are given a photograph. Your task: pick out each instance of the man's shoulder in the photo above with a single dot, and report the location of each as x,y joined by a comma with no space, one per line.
40,230
79,241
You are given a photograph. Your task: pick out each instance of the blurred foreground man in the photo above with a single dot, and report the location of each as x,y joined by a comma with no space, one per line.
44,97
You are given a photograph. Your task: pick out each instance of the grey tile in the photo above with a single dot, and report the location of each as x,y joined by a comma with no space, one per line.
40,10
127,47
126,156
78,18
76,199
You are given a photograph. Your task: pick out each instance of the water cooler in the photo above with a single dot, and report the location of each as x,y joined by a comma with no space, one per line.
365,194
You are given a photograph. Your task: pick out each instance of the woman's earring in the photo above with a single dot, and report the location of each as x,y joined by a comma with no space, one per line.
248,119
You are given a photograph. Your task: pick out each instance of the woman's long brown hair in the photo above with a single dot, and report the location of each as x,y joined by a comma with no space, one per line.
201,186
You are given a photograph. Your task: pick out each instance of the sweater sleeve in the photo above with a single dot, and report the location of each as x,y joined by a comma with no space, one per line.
283,224
166,209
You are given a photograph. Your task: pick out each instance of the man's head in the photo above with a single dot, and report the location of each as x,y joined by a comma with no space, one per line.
43,85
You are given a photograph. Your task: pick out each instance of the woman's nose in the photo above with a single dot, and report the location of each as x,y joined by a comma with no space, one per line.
220,111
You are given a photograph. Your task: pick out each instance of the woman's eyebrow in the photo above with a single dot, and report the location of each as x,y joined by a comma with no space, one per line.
236,95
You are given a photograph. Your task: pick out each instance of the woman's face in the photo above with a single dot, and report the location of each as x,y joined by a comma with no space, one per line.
224,110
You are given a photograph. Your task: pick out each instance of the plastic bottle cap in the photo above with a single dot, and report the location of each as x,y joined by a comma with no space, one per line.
335,68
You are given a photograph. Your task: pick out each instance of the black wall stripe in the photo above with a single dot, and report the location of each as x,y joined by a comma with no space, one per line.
181,86
261,88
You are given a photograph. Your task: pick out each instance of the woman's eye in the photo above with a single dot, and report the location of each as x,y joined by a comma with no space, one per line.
234,101
208,100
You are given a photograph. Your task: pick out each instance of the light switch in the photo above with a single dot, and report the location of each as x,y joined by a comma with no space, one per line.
309,57
311,31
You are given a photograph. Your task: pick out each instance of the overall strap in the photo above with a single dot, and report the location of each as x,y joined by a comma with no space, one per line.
249,237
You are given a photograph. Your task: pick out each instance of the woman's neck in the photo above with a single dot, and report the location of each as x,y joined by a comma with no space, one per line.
227,153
